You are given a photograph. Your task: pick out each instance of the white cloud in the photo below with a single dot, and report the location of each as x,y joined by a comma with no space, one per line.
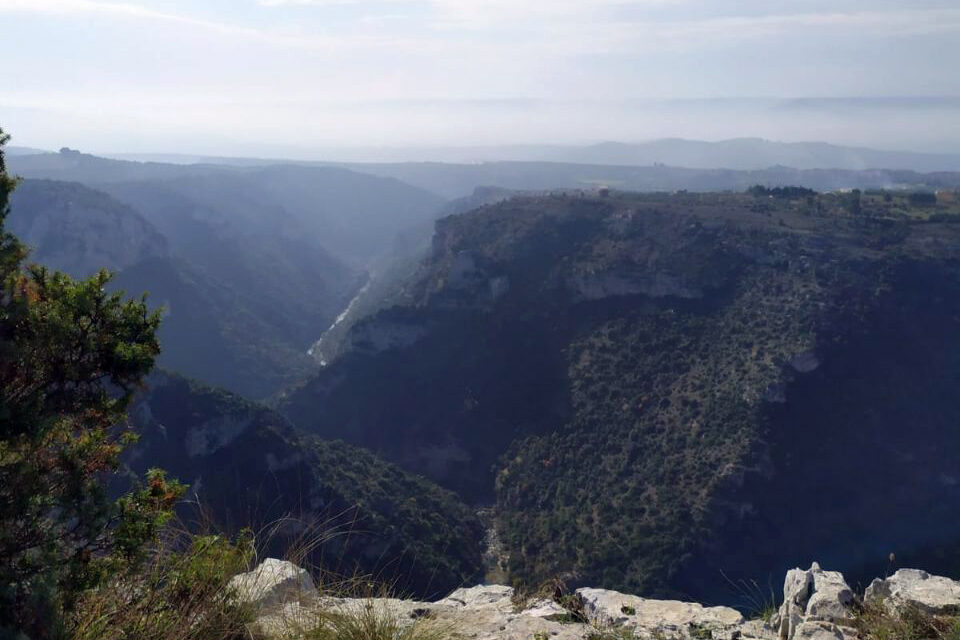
62,7
443,68
550,27
139,12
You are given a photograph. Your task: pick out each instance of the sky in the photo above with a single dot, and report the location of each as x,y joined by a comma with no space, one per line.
297,77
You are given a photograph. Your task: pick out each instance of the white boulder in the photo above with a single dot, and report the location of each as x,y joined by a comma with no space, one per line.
819,630
813,595
484,596
933,594
273,584
606,607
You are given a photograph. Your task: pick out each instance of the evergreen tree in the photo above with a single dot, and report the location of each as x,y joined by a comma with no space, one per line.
71,355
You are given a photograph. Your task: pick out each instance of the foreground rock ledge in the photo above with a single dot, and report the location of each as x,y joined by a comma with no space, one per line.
817,605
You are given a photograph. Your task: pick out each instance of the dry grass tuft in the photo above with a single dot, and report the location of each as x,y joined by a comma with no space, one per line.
367,620
180,593
874,621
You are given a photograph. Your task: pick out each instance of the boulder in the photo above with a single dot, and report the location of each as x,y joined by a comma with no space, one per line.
758,630
605,607
484,596
817,606
543,608
932,594
487,612
813,595
273,584
831,599
818,630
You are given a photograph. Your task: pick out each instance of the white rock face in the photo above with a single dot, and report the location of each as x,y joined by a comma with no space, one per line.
611,607
817,606
273,584
831,598
933,594
811,596
487,612
495,597
821,631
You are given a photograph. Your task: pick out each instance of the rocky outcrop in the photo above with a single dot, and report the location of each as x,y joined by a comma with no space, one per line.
617,609
912,587
816,603
491,612
274,583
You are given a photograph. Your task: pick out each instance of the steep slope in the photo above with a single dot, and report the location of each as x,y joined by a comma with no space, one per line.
736,153
386,285
79,230
219,333
241,308
352,215
658,388
291,286
248,468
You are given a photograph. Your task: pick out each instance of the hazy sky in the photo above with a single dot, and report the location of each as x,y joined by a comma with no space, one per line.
289,76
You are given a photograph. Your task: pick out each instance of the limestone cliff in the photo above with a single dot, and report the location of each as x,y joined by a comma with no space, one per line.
816,605
656,388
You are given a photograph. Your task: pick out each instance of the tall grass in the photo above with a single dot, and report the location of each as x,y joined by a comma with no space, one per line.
371,620
760,603
180,592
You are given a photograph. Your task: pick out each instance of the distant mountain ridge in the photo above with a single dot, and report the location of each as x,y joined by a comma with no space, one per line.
459,180
757,153
254,263
23,151
666,165
239,311
350,214
240,308
735,153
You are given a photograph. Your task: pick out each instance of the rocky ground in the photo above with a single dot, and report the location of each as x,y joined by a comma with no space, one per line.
817,605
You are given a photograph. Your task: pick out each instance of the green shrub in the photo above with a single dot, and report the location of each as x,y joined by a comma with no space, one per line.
71,356
180,593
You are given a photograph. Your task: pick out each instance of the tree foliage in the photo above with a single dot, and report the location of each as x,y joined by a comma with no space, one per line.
71,355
